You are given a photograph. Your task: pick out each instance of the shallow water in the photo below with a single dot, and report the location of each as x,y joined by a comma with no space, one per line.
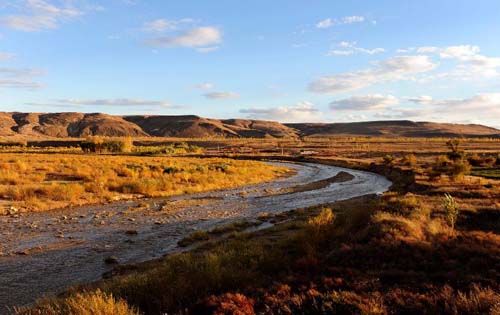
46,252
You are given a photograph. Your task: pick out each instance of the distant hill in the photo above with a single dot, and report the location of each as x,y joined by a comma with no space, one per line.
395,128
76,125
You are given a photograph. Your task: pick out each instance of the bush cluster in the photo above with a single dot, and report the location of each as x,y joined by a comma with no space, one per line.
99,145
454,164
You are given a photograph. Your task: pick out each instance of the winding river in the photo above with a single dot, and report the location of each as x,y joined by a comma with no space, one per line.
46,252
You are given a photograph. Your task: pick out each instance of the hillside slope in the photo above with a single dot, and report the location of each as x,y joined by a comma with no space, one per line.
62,125
397,128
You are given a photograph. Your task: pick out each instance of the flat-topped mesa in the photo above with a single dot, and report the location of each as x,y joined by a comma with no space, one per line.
72,124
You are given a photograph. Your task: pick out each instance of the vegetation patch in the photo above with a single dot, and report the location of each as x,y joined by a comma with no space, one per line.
34,182
486,172
200,236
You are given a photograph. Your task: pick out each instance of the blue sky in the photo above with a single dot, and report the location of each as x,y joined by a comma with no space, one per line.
291,61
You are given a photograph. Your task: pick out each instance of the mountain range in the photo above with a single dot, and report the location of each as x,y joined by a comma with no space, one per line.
77,125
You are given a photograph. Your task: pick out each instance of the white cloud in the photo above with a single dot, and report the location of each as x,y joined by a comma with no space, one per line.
163,25
393,69
29,23
427,49
462,52
367,102
422,99
199,37
403,65
353,49
221,95
352,19
471,64
19,84
301,112
340,52
205,86
329,22
40,15
481,107
20,78
370,51
114,102
345,44
326,23
206,50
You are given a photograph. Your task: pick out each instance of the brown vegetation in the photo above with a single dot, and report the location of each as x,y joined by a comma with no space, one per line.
430,246
34,182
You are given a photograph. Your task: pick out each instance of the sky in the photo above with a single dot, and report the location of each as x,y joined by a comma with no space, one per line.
283,60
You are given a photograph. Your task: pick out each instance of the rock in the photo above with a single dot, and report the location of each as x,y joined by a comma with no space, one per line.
131,232
111,260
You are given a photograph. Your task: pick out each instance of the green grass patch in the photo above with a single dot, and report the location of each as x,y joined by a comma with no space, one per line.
486,172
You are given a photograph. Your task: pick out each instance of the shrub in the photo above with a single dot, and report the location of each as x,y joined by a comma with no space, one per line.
227,304
98,145
317,228
410,160
8,144
476,160
87,303
458,169
324,218
451,209
175,148
440,166
388,159
455,152
171,170
452,168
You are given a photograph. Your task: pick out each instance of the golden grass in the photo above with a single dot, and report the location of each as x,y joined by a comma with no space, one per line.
35,182
86,303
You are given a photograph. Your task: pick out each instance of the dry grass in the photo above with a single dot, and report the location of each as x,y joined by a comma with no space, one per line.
86,303
35,182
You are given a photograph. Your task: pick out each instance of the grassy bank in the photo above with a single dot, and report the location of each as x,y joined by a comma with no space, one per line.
36,182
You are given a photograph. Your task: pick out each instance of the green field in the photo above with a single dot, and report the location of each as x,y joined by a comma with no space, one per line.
486,172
